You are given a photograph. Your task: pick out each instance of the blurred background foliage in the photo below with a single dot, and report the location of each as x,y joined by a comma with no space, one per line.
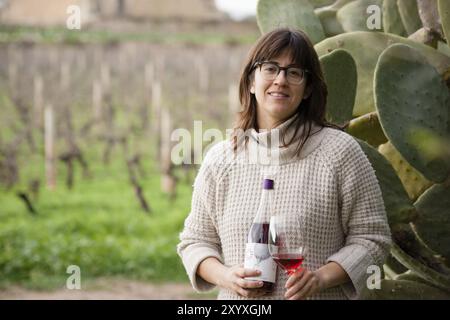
85,123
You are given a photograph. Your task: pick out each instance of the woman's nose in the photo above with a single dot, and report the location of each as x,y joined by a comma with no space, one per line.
281,77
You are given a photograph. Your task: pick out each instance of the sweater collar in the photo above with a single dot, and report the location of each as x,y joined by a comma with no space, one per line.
274,153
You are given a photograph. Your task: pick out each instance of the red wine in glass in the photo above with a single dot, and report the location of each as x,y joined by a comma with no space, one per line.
286,242
289,262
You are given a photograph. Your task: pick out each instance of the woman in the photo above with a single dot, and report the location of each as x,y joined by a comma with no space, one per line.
321,175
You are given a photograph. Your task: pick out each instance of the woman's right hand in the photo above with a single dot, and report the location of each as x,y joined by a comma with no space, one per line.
234,279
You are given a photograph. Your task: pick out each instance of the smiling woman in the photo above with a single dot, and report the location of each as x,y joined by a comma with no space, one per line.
320,177
269,97
278,94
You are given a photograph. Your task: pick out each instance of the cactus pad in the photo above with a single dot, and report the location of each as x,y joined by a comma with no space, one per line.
392,22
399,207
330,24
341,94
367,128
413,181
444,13
406,290
438,279
297,14
353,16
409,13
433,222
410,95
365,48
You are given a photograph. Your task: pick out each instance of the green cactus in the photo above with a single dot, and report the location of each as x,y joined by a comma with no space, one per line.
367,127
353,16
327,16
397,66
292,13
407,289
394,268
321,3
444,12
424,265
399,207
392,22
409,14
413,181
330,24
402,107
366,47
443,48
433,221
341,94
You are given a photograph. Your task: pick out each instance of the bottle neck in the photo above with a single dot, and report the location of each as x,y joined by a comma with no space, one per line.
264,210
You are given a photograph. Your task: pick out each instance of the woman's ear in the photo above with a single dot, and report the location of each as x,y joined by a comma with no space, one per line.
307,92
252,87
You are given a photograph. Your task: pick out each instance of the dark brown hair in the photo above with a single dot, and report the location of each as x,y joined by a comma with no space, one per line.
311,109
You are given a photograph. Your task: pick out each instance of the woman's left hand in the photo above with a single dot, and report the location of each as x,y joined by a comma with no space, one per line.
303,283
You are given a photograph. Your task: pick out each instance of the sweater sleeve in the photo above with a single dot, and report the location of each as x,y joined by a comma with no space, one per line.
364,220
199,239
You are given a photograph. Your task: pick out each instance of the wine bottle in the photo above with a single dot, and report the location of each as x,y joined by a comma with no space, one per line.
257,254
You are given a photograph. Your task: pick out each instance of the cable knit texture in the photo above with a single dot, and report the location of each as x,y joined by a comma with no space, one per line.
331,186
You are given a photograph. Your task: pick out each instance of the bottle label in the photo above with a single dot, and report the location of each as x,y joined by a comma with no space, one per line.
257,256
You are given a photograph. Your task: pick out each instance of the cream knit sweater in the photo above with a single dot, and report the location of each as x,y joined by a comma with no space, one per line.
332,186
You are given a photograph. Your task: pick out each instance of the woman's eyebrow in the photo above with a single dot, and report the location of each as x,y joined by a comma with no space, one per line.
289,65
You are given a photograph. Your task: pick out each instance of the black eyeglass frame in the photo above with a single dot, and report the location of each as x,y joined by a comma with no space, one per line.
280,68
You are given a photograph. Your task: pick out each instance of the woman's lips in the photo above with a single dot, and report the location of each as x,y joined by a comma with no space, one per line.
278,95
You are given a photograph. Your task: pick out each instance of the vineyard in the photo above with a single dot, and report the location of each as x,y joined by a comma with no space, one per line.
85,141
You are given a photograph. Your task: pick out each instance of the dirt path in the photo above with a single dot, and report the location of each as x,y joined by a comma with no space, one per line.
111,290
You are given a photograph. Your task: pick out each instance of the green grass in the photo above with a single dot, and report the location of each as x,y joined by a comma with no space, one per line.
9,34
98,226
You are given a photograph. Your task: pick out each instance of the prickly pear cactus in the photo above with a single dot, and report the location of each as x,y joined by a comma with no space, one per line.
398,205
414,182
366,47
432,223
352,16
401,117
367,127
294,13
341,94
392,21
444,12
409,13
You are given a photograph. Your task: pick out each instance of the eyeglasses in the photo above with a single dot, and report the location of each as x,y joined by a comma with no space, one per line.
270,71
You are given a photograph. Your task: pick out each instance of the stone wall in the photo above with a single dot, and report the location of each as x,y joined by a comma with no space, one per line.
48,12
53,12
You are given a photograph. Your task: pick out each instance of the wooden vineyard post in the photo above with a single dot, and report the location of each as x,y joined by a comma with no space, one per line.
105,76
50,168
97,99
149,76
168,180
156,114
38,100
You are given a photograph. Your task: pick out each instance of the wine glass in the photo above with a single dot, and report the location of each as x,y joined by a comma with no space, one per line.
285,242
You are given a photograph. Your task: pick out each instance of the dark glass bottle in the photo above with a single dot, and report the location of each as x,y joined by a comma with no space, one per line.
257,254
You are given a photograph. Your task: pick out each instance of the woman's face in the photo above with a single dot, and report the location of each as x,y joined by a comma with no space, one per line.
277,99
